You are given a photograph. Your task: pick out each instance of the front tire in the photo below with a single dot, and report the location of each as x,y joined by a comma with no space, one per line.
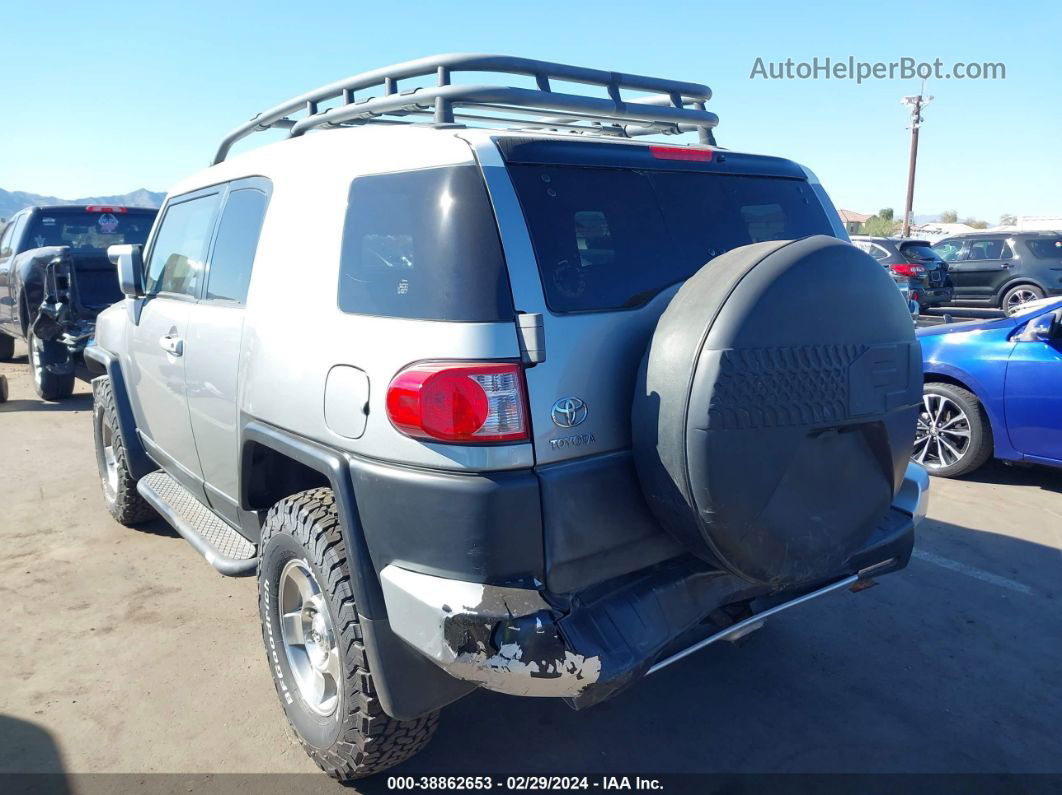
50,386
953,437
315,647
1016,297
119,486
7,347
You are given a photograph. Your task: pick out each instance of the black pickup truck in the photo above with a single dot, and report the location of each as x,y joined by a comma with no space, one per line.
55,279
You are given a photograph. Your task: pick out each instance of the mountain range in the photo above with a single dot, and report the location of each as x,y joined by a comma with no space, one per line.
13,201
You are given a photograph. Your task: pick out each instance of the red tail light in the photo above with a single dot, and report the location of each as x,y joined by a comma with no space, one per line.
96,208
681,153
907,269
464,403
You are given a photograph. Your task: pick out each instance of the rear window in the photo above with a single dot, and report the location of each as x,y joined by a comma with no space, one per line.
608,238
919,252
423,244
84,229
1046,248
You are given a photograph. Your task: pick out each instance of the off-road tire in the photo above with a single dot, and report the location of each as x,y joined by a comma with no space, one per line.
980,449
50,386
123,500
7,348
358,739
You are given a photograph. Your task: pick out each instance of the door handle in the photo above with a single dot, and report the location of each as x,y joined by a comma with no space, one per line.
172,344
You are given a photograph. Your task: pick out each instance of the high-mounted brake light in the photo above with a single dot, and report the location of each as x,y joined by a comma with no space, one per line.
463,403
97,208
681,153
907,269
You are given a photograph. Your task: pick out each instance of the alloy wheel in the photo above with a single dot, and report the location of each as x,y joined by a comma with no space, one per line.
109,461
309,638
1018,298
942,436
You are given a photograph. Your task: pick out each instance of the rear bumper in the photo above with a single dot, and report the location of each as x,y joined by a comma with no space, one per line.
934,296
518,641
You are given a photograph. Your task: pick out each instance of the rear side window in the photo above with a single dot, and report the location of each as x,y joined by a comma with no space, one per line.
609,238
423,244
986,249
179,252
237,241
1045,249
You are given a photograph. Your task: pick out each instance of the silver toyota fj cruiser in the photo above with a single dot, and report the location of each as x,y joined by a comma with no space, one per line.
490,394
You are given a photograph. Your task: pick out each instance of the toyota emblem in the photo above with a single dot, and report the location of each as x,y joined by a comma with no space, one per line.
568,412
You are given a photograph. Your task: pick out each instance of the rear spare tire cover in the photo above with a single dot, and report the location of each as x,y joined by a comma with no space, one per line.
775,408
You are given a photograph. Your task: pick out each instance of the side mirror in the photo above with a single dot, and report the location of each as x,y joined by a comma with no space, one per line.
130,264
1044,328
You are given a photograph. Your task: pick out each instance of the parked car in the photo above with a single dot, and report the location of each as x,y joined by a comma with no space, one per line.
915,261
905,293
55,279
992,388
1005,270
475,409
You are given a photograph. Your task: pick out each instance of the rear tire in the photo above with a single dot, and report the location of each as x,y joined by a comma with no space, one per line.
119,487
50,386
7,347
315,647
963,438
1018,296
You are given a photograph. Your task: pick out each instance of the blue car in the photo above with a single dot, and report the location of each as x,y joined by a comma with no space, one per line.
992,388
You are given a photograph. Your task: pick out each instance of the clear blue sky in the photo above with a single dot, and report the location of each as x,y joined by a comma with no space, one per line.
107,97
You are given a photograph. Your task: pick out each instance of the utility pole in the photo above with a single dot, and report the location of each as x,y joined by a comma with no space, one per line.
916,104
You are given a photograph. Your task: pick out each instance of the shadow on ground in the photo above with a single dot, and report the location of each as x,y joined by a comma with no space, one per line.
28,748
81,402
998,473
935,670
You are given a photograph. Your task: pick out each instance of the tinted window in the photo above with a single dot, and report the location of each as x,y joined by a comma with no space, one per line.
237,241
876,251
919,252
1045,248
948,250
180,248
423,244
986,249
610,238
85,229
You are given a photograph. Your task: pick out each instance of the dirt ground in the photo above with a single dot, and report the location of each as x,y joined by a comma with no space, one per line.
123,651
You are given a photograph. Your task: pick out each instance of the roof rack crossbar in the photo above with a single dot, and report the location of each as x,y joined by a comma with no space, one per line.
670,106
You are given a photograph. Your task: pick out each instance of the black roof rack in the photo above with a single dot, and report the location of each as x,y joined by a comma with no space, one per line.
669,106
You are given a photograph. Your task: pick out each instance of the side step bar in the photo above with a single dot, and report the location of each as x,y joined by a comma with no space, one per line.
734,630
225,549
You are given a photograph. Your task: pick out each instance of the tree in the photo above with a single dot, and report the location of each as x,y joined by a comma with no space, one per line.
882,224
976,223
1008,220
949,217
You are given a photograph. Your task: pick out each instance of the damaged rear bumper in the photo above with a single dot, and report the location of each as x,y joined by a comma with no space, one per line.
512,640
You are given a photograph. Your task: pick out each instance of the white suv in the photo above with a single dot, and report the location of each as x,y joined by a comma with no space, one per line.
535,407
